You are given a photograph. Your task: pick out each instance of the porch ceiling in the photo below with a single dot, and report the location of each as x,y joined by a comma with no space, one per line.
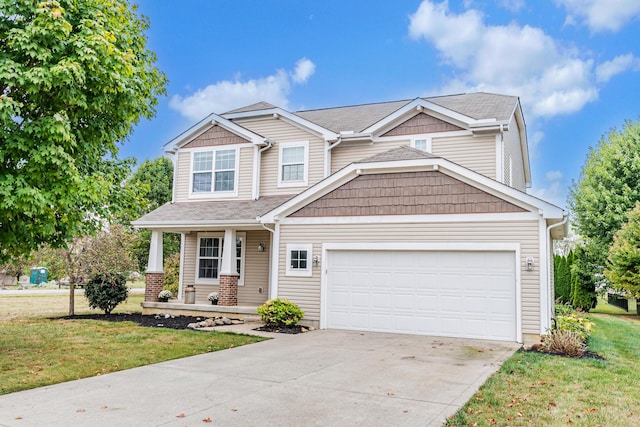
209,213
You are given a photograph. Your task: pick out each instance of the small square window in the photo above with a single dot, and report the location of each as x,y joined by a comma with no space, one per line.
422,144
299,260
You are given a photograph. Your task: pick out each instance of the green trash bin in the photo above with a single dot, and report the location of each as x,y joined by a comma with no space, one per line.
39,275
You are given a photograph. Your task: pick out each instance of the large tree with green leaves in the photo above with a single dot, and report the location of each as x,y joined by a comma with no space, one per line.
153,182
75,77
609,186
623,266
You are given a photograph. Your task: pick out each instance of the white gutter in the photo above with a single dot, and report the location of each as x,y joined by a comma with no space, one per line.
550,314
257,162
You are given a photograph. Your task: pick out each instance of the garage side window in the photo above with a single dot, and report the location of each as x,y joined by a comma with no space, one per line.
299,260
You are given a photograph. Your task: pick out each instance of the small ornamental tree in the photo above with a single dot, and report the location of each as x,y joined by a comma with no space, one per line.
106,290
623,264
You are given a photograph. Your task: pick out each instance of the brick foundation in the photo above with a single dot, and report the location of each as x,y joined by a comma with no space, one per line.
228,291
153,284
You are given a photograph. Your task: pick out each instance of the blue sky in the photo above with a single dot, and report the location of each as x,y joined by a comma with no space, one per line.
575,64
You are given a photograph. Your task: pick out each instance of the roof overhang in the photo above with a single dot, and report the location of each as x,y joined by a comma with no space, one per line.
206,124
478,126
279,113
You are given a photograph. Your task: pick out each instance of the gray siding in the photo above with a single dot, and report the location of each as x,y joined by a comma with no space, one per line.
513,149
281,131
256,269
475,153
305,291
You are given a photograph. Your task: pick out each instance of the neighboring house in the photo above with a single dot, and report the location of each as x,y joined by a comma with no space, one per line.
408,216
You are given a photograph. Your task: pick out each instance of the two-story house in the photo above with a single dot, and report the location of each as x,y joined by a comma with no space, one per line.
409,217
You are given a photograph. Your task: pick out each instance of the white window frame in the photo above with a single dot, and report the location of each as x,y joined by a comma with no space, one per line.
306,272
220,235
427,140
213,193
282,147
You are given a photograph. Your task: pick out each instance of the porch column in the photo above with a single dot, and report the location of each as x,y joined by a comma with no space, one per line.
154,277
228,290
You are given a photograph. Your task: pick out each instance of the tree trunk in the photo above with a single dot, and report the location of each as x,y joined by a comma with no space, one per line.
72,297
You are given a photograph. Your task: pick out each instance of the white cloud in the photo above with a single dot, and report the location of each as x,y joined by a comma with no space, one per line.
601,15
513,5
617,65
229,94
304,69
519,60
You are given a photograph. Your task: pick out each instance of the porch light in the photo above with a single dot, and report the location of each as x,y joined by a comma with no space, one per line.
316,260
261,247
529,262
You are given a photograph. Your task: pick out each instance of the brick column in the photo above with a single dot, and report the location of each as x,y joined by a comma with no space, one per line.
228,291
152,286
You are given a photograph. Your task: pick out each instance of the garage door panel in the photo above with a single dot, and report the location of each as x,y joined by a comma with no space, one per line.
459,294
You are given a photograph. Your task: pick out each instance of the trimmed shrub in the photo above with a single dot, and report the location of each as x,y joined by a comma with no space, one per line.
106,290
280,313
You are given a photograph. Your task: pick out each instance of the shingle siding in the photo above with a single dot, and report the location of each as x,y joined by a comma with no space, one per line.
420,124
405,193
215,136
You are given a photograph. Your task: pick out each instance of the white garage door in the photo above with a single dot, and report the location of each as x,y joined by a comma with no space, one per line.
454,294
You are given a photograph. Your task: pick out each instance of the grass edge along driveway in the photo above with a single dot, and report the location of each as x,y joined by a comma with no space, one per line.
36,351
540,389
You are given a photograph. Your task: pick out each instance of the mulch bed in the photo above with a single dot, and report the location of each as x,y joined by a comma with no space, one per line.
288,330
171,322
586,355
151,321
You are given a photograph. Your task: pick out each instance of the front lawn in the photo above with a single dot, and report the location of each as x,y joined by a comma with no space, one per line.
539,389
36,350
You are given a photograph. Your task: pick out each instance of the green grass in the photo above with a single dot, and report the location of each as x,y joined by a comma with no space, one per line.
539,389
37,350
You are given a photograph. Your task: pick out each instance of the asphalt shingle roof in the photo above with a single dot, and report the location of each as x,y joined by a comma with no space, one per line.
480,105
211,211
399,153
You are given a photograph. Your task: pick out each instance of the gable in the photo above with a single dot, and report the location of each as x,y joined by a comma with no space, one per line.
422,123
405,193
215,135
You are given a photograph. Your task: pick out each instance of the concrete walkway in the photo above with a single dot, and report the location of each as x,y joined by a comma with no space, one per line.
320,378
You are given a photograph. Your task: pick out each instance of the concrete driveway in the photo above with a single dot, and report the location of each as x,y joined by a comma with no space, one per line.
332,378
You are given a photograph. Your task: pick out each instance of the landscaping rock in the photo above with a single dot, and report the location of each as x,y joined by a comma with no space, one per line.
225,320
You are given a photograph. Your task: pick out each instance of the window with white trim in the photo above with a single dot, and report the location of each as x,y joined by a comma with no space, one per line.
214,171
422,144
293,164
209,257
299,260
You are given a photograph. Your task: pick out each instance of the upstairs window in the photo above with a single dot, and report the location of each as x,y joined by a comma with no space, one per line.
214,171
422,144
293,168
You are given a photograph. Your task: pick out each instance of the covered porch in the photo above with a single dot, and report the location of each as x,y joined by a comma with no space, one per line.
223,249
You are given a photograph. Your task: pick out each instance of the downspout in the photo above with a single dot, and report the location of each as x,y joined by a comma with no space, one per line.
327,156
257,166
550,264
273,291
